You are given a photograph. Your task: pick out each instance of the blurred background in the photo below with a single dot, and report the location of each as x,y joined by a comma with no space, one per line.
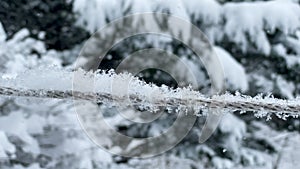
257,41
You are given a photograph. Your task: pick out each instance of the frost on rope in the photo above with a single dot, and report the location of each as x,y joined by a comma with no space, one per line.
111,89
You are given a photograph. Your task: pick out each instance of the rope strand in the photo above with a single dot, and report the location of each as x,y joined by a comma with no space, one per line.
227,101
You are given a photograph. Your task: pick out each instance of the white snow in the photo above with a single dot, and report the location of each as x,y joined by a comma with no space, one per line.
20,130
16,56
207,10
238,130
242,21
2,34
222,163
285,87
260,81
246,24
234,71
5,146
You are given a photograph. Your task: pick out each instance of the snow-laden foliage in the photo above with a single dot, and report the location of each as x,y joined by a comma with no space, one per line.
270,31
248,30
234,71
258,44
39,133
60,32
269,17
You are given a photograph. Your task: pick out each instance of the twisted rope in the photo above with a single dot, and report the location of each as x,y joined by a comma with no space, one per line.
230,102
